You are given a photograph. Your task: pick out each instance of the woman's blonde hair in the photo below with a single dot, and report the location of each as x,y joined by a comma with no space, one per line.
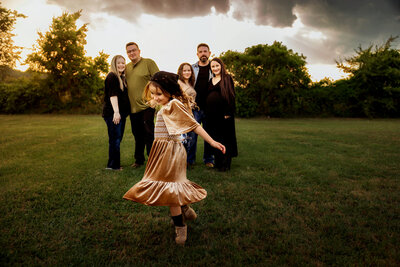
187,100
114,69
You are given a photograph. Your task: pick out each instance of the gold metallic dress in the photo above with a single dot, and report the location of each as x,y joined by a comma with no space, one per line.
164,182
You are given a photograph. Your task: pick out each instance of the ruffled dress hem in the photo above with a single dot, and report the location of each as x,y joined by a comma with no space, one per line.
164,182
166,193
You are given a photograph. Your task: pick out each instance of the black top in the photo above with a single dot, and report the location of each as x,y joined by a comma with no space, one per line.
201,86
216,105
112,88
219,128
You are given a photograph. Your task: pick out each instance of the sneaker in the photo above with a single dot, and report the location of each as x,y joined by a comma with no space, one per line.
209,165
188,213
181,234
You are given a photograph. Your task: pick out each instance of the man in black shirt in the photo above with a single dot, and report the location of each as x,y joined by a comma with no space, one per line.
203,74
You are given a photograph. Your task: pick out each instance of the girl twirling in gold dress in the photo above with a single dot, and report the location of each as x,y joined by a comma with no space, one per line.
164,182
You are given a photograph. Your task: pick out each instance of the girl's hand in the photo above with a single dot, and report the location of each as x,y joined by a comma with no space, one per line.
200,131
116,118
219,146
226,117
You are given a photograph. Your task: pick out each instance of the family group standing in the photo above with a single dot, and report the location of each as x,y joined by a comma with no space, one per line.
200,93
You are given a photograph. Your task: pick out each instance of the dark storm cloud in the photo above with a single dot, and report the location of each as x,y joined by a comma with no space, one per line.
346,23
273,13
343,21
132,9
185,8
362,16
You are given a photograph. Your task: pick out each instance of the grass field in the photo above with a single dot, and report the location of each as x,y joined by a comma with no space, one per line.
302,192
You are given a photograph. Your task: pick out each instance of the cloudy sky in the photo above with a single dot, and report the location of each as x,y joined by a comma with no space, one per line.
168,31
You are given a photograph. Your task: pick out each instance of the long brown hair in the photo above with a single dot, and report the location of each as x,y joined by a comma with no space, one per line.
227,87
180,73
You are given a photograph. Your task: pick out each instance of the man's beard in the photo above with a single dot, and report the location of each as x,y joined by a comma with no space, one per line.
203,59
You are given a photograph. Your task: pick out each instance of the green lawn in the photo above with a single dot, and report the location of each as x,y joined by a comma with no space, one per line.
301,192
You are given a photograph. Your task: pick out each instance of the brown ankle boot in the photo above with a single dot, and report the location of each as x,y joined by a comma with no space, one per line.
181,234
188,213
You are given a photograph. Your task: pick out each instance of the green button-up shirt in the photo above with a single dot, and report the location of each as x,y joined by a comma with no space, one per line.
137,76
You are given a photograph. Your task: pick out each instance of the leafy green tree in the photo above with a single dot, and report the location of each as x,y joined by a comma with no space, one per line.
269,79
91,78
375,79
9,53
72,77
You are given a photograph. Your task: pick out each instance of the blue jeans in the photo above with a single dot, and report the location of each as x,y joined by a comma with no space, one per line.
192,142
115,134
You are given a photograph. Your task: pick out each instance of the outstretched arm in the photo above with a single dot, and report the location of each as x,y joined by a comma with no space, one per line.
200,131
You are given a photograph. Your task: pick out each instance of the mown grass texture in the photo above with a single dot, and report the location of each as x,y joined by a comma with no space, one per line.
302,192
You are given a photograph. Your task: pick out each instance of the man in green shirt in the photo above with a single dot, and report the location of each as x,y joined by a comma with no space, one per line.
138,73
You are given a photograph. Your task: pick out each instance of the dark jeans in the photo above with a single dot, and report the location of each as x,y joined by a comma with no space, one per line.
115,134
142,124
192,144
187,142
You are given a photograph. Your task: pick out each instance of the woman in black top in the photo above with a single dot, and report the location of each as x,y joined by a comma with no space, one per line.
220,110
115,110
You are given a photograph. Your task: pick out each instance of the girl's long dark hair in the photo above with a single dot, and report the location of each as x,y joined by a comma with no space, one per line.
227,87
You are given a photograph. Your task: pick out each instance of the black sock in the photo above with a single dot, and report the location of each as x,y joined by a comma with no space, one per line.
178,220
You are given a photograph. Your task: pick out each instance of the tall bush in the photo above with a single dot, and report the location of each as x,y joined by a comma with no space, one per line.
375,79
268,77
23,96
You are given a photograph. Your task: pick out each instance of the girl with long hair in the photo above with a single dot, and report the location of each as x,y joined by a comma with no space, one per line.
186,82
164,182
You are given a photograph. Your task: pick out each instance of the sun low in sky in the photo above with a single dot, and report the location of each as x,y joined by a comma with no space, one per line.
168,31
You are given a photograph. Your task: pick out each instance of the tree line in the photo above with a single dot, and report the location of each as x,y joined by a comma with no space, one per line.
270,80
